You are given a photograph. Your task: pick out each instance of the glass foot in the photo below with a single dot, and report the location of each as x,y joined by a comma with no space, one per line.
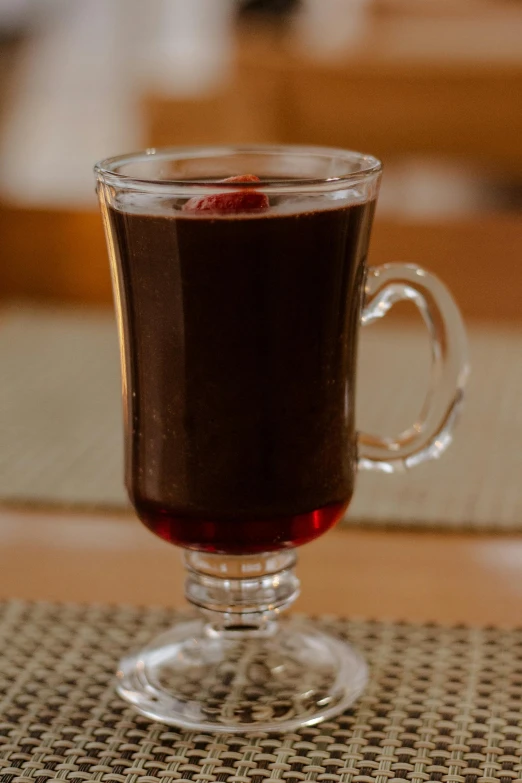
276,679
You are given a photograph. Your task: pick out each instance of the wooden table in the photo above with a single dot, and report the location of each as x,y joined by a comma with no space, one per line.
475,579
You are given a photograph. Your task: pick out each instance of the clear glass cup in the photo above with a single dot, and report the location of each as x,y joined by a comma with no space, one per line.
238,306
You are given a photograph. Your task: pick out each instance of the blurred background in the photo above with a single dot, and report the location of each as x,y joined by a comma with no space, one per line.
432,87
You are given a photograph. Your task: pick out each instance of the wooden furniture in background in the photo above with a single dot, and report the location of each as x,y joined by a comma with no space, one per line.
53,254
424,78
61,256
429,92
248,109
478,259
375,97
394,107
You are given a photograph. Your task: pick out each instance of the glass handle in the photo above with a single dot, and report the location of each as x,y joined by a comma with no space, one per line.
431,434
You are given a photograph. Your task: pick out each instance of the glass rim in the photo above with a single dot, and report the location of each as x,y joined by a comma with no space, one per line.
107,169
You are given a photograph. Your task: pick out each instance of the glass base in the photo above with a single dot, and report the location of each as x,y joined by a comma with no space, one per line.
277,678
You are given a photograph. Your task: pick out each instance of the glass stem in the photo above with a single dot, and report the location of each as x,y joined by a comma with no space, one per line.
241,593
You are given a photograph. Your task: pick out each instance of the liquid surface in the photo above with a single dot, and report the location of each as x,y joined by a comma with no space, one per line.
240,351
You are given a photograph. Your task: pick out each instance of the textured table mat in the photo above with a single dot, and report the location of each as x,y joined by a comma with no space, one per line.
443,704
61,434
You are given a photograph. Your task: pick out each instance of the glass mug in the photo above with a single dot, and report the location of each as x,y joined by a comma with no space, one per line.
238,303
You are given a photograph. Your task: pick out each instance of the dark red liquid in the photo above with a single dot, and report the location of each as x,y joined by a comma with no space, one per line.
221,535
240,349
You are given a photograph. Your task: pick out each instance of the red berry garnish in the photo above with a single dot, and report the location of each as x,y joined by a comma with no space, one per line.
245,200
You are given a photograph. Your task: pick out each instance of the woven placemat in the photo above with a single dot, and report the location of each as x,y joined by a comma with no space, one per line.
61,432
442,704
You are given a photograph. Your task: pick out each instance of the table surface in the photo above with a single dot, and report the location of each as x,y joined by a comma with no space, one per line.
385,574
